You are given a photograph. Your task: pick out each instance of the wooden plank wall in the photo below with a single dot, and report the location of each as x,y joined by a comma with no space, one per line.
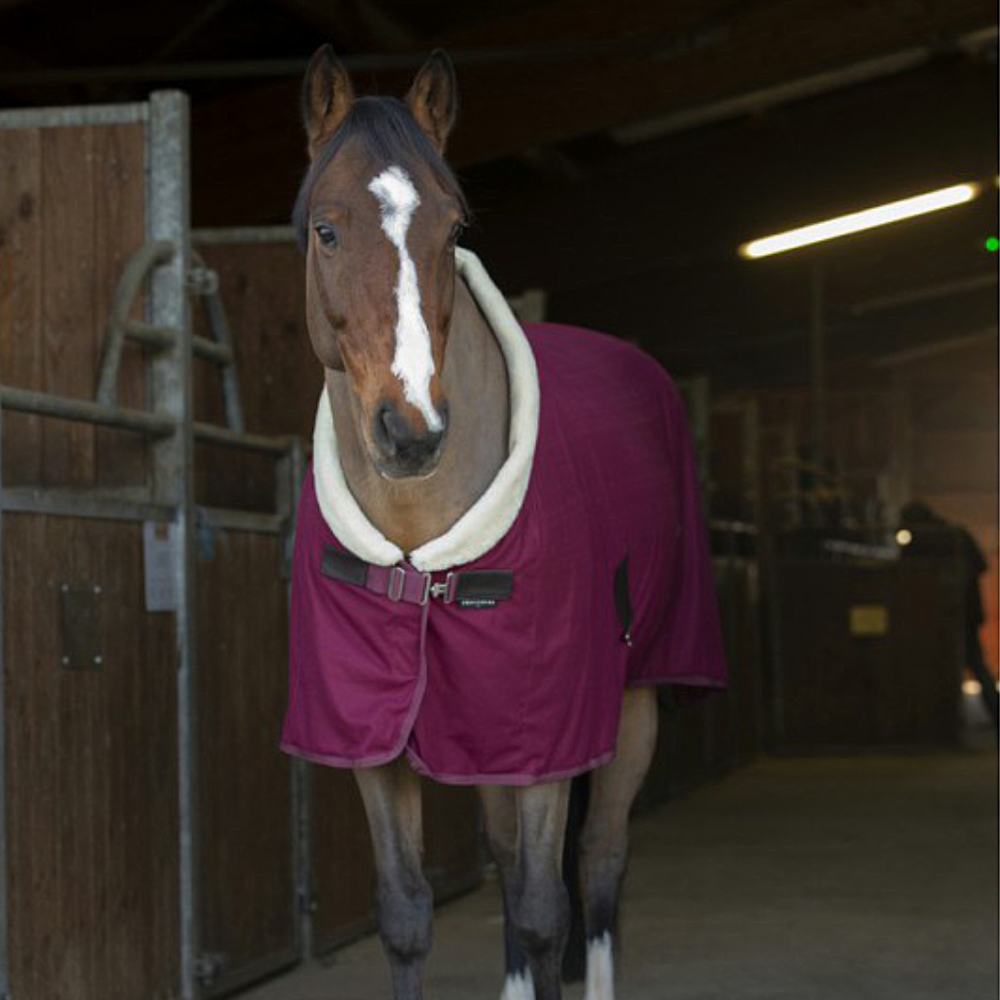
835,689
91,754
263,291
71,212
91,772
244,792
344,868
452,849
246,840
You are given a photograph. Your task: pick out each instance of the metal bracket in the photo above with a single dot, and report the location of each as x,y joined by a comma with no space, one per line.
202,280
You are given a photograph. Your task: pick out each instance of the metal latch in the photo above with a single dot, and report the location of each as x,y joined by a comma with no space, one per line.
443,591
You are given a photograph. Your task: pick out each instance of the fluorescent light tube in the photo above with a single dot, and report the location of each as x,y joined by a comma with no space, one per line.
856,222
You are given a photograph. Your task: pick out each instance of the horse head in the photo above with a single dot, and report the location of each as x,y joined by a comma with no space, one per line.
379,215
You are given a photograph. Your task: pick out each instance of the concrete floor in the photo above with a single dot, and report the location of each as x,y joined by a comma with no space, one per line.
795,879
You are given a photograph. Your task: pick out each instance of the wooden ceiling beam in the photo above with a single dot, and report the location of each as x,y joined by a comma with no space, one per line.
522,105
351,25
538,103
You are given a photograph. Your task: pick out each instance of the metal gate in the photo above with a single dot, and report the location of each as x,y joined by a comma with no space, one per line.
130,789
155,843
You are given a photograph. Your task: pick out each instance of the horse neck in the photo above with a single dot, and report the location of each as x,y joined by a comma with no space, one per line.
474,379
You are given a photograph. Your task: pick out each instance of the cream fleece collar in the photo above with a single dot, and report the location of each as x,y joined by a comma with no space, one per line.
490,517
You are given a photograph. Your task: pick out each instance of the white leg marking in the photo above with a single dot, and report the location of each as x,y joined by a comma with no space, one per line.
413,362
518,987
600,969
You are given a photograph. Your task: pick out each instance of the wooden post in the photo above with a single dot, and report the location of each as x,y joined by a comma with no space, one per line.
817,363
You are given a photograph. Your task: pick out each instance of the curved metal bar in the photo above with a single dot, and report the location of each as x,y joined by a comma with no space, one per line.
68,408
214,434
220,347
212,350
139,264
160,338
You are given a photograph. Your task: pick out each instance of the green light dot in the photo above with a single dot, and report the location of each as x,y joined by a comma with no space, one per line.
992,244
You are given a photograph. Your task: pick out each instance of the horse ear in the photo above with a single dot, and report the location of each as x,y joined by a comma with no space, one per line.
327,96
433,98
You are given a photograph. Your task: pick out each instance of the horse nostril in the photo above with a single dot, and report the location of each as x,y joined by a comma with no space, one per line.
418,450
384,431
398,440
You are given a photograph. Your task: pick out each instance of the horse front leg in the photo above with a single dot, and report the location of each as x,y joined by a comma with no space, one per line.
537,900
500,818
604,841
392,800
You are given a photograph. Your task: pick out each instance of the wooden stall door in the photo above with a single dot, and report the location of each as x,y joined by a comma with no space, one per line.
90,747
452,842
248,905
246,869
343,865
891,679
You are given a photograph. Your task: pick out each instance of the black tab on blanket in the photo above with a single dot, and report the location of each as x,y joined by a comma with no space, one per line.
623,603
482,588
343,566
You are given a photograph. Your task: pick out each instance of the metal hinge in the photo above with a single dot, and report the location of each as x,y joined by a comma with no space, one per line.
206,532
209,966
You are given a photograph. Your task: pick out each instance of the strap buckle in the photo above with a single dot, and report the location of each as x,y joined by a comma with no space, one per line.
397,582
443,591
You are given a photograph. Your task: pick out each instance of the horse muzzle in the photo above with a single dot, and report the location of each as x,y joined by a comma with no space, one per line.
403,451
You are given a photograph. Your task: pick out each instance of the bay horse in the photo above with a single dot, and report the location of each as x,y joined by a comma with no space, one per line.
499,528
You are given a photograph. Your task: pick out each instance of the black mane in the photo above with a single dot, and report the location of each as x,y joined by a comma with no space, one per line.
391,136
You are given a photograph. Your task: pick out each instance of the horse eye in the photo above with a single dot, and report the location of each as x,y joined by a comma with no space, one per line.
456,232
327,234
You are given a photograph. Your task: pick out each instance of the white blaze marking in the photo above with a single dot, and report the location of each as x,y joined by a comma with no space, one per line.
600,969
413,362
518,987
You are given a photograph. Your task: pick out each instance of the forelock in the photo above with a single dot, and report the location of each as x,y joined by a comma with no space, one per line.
391,136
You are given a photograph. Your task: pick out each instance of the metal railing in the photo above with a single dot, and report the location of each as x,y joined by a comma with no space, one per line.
130,503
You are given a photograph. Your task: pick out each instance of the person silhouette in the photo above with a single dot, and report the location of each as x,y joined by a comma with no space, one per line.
930,535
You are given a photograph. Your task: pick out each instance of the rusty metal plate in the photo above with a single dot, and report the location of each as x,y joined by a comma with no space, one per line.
80,626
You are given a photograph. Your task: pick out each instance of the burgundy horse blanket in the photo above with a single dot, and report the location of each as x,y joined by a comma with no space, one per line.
498,653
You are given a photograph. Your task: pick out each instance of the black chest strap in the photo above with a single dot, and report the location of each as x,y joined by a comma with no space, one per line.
467,588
